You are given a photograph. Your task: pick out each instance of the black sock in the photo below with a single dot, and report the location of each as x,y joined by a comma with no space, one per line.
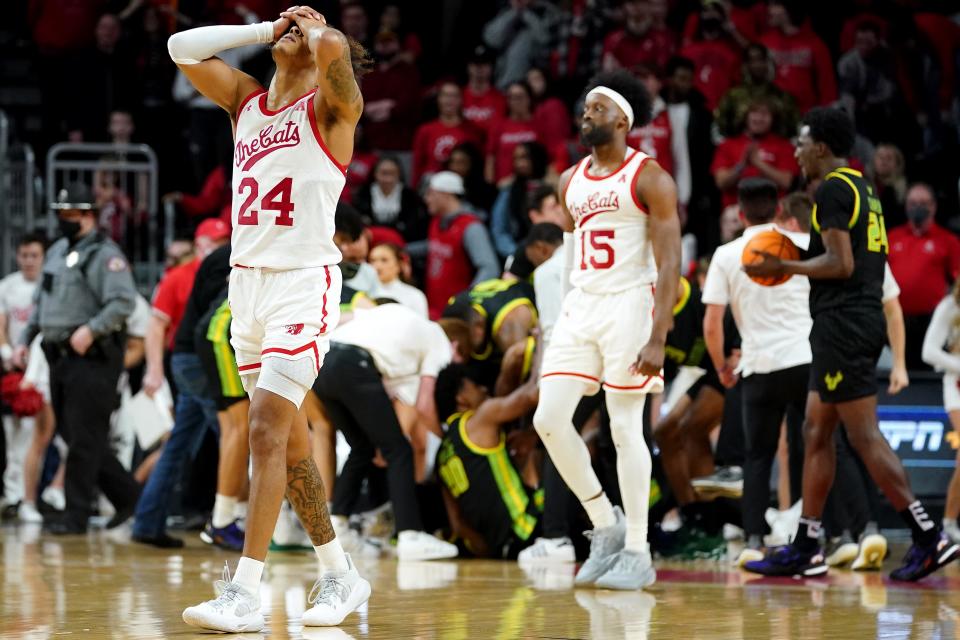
922,527
693,514
808,535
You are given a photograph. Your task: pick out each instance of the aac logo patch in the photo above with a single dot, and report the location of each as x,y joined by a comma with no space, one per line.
294,329
833,380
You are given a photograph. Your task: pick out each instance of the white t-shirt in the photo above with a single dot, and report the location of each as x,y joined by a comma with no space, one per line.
548,286
406,295
401,342
16,303
774,322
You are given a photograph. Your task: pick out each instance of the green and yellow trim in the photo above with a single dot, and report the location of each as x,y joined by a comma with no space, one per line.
528,350
218,333
684,296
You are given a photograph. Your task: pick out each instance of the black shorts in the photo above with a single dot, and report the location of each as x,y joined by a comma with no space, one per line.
846,346
709,379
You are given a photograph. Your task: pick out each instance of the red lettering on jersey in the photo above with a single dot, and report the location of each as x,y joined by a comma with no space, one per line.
249,152
595,204
294,329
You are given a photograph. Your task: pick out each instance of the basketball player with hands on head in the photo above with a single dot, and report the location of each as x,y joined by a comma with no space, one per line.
623,262
845,265
293,142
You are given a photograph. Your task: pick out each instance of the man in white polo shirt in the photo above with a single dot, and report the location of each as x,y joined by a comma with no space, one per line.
386,352
774,324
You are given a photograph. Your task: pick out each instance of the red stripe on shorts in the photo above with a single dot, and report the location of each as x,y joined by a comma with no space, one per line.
632,388
298,350
323,313
570,373
248,367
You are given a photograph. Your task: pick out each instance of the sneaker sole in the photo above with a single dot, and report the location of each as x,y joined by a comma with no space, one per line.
714,491
871,554
358,595
648,579
206,537
844,555
252,624
579,581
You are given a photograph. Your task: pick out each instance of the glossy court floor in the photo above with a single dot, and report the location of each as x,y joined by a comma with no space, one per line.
95,587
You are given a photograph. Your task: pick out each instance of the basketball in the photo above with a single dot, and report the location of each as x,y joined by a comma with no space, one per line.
772,242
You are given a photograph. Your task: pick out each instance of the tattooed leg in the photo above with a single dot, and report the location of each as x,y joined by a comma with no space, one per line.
308,499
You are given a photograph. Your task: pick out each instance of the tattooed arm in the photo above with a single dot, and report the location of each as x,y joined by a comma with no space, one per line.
308,499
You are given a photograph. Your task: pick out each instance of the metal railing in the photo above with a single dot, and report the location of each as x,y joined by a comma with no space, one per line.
124,179
19,190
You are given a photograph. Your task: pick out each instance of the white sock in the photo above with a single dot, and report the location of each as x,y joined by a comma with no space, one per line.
331,557
240,511
634,465
553,420
248,574
949,523
223,511
600,511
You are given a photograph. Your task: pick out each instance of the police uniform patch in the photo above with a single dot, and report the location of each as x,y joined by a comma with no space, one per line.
116,263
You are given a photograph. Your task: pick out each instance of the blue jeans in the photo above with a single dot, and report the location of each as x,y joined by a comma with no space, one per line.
194,413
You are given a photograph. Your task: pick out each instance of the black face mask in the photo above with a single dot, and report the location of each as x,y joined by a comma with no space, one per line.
711,25
918,215
349,269
68,228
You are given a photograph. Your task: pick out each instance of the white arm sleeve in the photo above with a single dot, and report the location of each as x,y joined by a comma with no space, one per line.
567,264
196,45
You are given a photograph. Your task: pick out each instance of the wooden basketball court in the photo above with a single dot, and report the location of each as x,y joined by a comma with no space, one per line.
98,586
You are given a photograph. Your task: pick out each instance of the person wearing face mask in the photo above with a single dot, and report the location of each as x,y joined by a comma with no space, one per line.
86,294
925,259
715,53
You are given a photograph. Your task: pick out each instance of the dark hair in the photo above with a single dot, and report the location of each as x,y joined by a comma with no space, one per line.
360,58
545,232
632,89
758,199
460,307
387,158
539,159
799,206
548,88
538,195
679,62
832,127
32,237
526,87
756,46
795,10
383,301
448,385
349,221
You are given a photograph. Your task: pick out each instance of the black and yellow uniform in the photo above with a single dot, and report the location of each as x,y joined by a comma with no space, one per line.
349,297
488,489
685,344
212,345
493,299
849,329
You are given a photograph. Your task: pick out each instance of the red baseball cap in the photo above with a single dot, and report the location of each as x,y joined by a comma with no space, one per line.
213,228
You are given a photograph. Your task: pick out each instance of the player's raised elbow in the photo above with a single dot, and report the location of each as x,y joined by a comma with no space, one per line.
178,46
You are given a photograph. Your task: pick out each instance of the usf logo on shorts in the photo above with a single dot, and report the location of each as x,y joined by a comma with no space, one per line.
833,380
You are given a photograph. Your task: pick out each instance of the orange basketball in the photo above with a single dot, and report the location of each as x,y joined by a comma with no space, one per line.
772,242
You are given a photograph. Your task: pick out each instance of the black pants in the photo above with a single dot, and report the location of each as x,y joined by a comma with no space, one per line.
915,328
767,398
730,444
83,392
352,393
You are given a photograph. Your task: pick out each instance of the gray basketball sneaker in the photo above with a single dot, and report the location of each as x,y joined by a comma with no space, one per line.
605,543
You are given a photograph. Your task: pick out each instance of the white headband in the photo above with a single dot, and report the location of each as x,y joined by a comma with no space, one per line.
618,100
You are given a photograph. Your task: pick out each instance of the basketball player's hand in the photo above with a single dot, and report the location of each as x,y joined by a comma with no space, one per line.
649,360
899,380
770,266
306,18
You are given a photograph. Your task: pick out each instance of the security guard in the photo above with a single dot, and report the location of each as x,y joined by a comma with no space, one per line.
86,295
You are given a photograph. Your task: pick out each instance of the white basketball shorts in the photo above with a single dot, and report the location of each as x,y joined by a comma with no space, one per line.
283,314
598,337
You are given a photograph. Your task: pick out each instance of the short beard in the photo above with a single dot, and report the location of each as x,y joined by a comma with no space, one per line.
597,136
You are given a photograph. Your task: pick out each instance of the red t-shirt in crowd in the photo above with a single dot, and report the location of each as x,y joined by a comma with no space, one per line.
923,266
505,135
65,25
773,150
655,47
399,82
569,152
216,196
655,140
804,67
170,299
716,68
484,109
433,143
553,120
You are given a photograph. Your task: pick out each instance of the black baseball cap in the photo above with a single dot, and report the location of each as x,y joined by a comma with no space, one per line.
481,55
74,196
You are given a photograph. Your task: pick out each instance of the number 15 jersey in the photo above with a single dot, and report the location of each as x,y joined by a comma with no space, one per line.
612,251
286,185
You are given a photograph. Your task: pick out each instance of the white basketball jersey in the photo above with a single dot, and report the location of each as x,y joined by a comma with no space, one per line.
612,251
286,185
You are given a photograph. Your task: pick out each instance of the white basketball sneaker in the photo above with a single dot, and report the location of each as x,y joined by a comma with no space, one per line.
335,595
234,610
548,551
418,545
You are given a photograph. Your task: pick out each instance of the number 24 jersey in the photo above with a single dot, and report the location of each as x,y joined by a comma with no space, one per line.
612,250
285,187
